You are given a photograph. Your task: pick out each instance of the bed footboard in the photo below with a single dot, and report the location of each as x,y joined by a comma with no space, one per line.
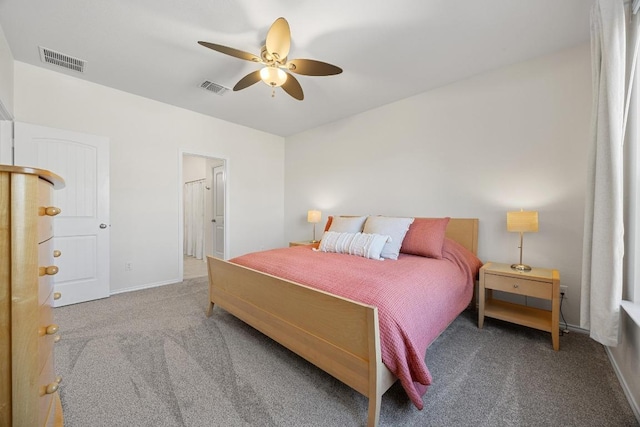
337,335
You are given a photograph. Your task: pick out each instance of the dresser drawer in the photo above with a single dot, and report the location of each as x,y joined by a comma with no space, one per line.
46,212
47,332
55,419
47,387
45,281
531,288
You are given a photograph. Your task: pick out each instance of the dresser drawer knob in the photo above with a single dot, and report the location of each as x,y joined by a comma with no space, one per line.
56,253
57,295
49,211
48,330
57,338
53,387
515,285
48,271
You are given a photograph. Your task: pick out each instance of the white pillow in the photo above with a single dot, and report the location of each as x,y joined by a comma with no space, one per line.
347,224
395,227
360,244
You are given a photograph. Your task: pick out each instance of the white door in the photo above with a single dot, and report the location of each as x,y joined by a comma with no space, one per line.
81,230
218,211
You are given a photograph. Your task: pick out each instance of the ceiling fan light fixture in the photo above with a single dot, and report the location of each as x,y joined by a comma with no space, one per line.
273,76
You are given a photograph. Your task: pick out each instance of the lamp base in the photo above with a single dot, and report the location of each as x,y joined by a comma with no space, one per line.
521,267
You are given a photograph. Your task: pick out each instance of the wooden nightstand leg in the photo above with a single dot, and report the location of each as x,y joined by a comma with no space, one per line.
481,297
555,311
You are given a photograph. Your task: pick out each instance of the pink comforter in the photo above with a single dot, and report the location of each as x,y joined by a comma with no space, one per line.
417,297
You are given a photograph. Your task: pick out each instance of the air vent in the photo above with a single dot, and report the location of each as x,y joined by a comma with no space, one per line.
61,60
214,87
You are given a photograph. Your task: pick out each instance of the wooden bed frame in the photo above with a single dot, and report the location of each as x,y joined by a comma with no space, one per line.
338,335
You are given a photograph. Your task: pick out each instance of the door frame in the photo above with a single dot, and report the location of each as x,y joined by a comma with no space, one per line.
227,221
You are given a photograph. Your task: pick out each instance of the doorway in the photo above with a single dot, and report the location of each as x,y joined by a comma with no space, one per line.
204,195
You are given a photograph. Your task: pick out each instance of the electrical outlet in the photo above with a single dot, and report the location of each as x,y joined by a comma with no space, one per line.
128,266
563,290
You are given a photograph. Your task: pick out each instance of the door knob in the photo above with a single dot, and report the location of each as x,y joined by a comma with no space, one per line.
103,225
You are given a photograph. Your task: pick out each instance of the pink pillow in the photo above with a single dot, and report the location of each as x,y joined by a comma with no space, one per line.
425,237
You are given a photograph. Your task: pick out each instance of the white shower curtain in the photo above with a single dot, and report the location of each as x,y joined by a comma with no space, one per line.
194,219
602,268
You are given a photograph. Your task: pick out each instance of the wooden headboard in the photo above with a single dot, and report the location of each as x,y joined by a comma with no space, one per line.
465,232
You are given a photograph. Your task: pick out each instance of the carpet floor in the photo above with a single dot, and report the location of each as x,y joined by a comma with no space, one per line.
152,358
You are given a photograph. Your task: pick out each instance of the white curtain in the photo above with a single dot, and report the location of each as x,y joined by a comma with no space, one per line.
603,249
194,219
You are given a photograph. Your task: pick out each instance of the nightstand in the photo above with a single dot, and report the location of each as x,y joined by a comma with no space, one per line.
304,243
539,283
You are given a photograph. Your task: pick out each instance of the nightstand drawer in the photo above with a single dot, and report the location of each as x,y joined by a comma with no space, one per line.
531,288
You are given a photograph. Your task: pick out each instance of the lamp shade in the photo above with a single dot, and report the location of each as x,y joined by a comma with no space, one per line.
522,221
314,216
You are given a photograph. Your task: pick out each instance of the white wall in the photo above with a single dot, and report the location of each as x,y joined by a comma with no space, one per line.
145,142
6,78
6,100
512,138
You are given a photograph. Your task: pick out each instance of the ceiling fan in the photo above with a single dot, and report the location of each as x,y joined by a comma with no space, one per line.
277,68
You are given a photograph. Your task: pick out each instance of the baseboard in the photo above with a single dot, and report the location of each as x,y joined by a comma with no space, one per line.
625,387
147,286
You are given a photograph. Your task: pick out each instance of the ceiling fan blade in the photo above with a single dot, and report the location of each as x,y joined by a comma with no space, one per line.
293,88
247,80
310,67
231,51
279,39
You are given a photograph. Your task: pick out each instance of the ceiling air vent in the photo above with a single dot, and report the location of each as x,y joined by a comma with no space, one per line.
61,60
214,87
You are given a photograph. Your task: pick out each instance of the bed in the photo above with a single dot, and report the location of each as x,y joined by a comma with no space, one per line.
340,335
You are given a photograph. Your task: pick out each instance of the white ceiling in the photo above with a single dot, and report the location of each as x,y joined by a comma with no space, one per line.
389,50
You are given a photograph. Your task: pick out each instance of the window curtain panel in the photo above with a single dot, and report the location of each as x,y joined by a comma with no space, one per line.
602,263
194,219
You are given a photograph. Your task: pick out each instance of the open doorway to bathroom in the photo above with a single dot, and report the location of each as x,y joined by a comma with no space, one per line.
203,219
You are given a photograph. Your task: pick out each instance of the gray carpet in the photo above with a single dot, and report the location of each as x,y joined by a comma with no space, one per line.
152,358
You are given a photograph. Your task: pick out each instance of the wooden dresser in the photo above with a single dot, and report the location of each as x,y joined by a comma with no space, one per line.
28,382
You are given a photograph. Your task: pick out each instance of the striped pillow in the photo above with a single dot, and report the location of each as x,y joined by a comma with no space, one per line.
359,244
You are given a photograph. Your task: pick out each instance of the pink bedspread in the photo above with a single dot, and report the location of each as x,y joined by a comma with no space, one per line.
417,297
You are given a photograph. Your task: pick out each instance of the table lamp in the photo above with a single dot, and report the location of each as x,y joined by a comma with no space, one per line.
314,217
522,222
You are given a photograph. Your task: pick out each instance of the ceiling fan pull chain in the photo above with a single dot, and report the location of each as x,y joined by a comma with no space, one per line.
273,91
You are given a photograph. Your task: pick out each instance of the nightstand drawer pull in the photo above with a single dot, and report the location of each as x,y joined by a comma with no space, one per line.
515,285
